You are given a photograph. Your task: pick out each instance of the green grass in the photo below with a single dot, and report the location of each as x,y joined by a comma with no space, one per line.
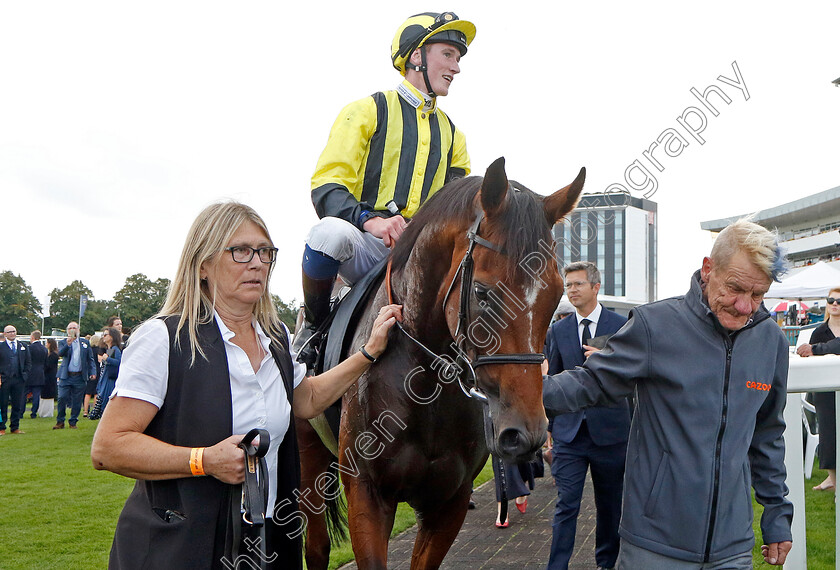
60,513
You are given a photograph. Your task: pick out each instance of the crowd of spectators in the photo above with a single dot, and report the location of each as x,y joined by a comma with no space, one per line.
31,374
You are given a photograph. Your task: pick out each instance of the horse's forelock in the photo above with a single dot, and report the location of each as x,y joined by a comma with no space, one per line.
518,229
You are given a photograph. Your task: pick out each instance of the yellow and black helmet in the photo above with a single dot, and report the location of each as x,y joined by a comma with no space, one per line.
427,28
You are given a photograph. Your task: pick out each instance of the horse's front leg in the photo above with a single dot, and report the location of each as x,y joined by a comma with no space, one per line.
437,529
371,518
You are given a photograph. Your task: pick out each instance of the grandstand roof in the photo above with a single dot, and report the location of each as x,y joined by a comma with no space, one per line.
802,211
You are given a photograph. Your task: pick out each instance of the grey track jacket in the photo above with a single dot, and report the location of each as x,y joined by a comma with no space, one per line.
707,425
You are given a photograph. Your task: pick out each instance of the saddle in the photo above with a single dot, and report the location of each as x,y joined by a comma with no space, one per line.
344,317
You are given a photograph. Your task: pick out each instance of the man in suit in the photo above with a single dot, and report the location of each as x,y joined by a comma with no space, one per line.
594,438
38,355
77,367
14,371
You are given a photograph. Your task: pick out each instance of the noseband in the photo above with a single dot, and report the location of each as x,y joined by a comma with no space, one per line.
464,368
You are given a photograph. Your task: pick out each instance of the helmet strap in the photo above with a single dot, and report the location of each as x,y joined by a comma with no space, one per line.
424,68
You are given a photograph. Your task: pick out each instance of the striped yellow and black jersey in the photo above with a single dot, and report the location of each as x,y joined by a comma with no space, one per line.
393,146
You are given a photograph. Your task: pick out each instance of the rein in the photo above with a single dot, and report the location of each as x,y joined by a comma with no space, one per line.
466,373
248,509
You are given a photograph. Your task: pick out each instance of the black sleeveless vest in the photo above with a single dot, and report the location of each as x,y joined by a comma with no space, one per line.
185,523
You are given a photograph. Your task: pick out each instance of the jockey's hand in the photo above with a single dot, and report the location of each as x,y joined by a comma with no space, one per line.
378,341
388,230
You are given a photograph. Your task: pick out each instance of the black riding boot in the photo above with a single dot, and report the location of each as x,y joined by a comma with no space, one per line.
316,308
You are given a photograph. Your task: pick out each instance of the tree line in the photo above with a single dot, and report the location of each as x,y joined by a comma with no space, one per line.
139,299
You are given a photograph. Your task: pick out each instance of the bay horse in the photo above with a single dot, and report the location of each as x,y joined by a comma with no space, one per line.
477,278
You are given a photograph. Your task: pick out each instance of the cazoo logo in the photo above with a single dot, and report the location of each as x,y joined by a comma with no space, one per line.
758,386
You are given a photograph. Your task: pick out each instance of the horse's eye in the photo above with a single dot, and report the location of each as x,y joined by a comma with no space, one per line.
480,292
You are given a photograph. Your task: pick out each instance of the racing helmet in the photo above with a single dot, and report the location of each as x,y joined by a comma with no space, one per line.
427,28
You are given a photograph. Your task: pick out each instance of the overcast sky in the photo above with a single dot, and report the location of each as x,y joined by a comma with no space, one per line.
119,122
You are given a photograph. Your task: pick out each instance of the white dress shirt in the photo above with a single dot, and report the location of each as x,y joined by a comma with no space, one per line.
593,326
259,398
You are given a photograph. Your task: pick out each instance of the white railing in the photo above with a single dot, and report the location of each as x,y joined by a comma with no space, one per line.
812,374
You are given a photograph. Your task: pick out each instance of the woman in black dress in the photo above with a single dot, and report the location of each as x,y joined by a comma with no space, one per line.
824,401
50,389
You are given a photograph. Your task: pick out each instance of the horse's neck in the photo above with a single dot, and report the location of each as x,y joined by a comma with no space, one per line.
417,288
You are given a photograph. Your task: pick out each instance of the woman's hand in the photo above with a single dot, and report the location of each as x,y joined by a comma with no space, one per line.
103,357
805,350
226,461
378,341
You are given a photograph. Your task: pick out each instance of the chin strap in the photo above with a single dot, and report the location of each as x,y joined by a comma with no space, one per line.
423,68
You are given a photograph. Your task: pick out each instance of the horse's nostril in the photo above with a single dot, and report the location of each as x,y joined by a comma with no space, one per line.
512,442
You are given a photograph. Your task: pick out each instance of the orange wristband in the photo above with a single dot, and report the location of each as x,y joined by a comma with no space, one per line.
197,461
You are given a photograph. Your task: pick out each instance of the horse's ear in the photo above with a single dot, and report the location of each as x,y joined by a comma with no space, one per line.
564,200
494,188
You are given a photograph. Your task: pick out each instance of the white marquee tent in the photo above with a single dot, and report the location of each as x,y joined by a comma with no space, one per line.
813,282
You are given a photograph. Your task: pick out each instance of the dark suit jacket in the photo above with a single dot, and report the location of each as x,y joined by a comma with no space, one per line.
14,367
88,364
607,425
38,354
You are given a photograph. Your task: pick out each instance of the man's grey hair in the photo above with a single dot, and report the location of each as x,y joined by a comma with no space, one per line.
759,244
592,273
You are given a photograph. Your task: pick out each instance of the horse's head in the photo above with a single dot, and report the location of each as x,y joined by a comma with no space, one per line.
499,309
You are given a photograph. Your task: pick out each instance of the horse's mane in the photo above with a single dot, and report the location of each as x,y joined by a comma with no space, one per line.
523,225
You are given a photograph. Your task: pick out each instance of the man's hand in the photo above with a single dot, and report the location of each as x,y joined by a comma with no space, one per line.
805,350
589,350
776,552
387,229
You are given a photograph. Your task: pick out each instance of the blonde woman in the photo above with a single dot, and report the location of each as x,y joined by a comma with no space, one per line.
215,364
90,387
829,330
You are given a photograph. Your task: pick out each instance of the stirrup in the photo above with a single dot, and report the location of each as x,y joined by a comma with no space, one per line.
306,345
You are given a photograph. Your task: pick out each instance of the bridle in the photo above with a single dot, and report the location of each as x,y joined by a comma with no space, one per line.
464,367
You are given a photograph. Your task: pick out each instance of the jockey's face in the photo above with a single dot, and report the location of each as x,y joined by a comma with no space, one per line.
442,63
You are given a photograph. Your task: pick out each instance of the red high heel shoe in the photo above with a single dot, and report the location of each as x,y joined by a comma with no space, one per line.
502,525
522,506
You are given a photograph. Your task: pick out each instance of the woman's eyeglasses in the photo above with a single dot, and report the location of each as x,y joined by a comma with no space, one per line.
244,254
831,300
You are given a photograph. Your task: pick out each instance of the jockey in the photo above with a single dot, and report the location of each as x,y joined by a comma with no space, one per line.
386,154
